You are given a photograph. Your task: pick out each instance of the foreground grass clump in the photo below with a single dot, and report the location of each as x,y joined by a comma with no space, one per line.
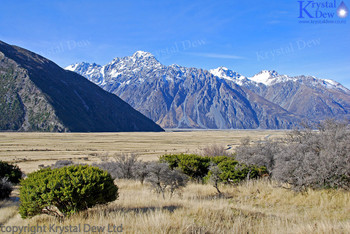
65,191
254,206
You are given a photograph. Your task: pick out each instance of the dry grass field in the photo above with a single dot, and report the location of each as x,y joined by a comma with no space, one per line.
28,150
253,207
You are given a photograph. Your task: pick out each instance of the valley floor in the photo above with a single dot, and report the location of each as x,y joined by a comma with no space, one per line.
252,207
29,150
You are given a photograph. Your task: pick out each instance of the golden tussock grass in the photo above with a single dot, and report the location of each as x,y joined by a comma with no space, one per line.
253,207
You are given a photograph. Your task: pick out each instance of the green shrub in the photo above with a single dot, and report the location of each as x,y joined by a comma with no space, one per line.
172,160
234,172
218,159
227,169
230,171
196,167
192,165
65,191
12,172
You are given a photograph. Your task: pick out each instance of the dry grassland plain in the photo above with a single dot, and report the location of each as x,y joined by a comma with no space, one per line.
252,207
29,150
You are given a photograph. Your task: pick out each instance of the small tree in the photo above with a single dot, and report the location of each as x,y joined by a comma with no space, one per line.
121,167
214,176
176,181
65,191
126,164
163,179
140,171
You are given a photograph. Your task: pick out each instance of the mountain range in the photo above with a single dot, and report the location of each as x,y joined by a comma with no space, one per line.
180,97
38,95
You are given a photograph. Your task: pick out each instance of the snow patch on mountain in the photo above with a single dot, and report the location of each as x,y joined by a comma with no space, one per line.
331,84
269,78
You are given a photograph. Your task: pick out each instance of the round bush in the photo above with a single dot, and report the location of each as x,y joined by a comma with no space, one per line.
65,191
12,172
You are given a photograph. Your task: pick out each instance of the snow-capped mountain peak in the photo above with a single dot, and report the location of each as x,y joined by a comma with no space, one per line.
142,54
227,74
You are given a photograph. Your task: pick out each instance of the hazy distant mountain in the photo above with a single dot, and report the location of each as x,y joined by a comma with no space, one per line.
180,97
38,95
307,96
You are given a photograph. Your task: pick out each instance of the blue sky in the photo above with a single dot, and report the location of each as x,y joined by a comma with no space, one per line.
245,36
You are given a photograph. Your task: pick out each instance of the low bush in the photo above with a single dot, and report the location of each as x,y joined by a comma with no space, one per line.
141,170
12,172
65,191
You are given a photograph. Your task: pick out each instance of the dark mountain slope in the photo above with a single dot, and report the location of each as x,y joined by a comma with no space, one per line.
46,97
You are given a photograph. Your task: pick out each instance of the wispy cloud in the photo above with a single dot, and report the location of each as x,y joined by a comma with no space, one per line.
214,55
